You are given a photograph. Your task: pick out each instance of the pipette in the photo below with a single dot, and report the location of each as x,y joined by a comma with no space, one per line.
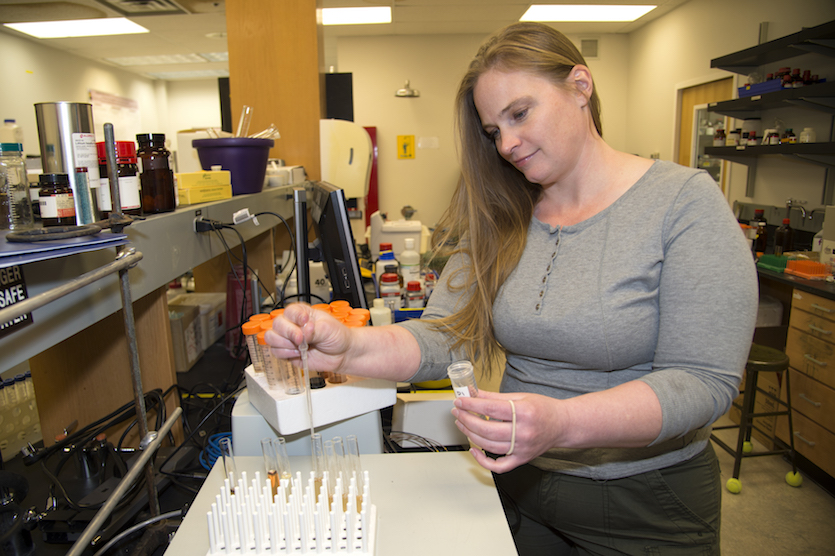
306,377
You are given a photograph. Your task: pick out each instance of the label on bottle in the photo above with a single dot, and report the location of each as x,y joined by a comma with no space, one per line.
392,299
86,156
129,193
415,300
57,206
461,391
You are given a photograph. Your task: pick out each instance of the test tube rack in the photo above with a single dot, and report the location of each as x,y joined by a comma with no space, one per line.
251,520
288,414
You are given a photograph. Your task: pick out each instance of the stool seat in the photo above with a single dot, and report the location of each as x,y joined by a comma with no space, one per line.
766,359
760,359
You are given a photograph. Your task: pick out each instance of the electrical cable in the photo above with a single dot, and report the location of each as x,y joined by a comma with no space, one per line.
137,527
220,404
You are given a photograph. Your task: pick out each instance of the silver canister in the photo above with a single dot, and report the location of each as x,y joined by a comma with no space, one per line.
68,146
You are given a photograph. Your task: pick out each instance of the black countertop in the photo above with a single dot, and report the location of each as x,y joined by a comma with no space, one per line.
818,287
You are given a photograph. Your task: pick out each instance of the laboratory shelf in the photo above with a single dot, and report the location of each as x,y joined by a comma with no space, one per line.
820,97
817,153
819,39
170,248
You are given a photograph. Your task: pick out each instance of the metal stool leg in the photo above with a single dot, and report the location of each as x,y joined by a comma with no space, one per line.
746,422
793,478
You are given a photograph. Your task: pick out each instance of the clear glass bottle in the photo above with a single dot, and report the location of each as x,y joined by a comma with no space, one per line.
156,177
15,204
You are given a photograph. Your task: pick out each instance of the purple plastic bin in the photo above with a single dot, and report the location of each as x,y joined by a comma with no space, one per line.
244,157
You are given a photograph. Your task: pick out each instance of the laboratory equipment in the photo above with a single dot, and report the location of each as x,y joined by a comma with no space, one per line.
336,241
15,204
157,178
247,519
68,146
228,458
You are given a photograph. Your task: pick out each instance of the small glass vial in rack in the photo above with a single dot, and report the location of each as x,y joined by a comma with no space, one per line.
463,379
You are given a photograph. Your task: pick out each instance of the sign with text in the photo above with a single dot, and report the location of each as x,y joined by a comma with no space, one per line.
13,290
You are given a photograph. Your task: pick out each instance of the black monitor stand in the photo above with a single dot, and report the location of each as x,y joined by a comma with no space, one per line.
302,255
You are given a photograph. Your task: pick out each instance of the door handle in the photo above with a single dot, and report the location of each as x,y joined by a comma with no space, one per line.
821,308
809,442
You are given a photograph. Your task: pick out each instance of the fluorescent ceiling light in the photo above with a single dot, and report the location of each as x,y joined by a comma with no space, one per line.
156,60
78,28
215,56
201,74
356,16
584,12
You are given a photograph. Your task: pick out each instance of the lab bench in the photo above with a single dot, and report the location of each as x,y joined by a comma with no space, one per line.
807,334
75,345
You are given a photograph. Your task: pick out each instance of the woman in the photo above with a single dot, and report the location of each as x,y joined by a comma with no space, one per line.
619,289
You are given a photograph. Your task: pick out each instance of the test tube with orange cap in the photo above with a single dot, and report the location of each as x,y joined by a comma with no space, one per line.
250,331
271,368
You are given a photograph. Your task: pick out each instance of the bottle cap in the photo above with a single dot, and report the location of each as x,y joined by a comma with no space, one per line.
11,148
125,152
389,277
379,303
259,317
409,242
275,313
53,179
385,247
250,328
786,221
413,286
150,138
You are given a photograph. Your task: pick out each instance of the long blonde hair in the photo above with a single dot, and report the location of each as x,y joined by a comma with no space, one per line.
488,217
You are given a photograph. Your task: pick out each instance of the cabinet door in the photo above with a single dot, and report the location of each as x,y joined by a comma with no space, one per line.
691,97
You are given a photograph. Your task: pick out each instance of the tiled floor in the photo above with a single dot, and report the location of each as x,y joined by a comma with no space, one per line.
769,517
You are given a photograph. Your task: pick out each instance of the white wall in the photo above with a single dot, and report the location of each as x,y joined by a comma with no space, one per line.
676,50
35,73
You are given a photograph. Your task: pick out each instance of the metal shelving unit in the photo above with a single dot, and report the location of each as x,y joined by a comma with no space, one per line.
819,97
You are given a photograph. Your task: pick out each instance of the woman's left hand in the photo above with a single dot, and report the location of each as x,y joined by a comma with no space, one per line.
540,423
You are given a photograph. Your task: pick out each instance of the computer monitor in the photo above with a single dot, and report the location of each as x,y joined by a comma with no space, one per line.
336,242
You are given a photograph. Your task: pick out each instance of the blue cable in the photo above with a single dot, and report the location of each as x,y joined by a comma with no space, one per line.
209,455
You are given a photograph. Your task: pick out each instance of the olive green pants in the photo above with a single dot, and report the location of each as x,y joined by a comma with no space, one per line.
673,511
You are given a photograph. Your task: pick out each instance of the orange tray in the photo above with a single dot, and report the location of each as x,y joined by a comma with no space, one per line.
811,270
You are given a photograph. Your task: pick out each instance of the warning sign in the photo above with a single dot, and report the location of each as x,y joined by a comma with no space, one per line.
13,290
405,146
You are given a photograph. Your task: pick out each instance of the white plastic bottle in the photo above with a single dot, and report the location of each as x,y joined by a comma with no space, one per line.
410,262
380,313
11,132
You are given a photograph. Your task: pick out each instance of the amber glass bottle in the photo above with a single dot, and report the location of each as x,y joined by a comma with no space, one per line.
156,177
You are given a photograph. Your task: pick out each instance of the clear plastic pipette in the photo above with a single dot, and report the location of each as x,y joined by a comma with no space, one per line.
306,378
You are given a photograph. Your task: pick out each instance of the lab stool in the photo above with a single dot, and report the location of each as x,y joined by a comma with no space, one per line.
760,359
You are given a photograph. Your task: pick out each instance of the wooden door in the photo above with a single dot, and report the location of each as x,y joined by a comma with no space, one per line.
713,91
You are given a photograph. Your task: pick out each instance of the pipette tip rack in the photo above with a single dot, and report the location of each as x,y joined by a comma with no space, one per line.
250,519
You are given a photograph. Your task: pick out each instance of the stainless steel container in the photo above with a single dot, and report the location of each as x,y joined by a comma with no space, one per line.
68,146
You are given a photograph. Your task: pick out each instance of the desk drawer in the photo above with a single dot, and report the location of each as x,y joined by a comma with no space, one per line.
810,439
814,304
812,356
813,399
817,326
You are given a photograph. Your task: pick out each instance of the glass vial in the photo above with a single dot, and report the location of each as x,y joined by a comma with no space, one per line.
156,178
15,205
463,379
130,198
56,200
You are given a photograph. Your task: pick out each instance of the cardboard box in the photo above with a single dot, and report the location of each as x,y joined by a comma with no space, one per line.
195,195
214,178
185,335
212,308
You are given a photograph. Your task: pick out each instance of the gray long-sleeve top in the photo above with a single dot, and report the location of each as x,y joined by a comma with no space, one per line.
659,287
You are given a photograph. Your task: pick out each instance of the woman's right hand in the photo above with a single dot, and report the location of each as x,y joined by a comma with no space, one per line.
328,340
